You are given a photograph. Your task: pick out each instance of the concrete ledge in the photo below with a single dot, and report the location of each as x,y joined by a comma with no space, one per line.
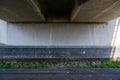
60,74
55,52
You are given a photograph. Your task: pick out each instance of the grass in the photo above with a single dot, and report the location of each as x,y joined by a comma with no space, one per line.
15,65
108,64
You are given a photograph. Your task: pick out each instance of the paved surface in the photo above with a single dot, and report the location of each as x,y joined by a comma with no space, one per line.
60,74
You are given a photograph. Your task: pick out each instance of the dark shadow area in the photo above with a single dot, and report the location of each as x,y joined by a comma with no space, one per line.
58,9
55,52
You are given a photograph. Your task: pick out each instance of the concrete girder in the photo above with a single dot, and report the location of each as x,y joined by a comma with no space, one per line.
32,11
36,7
96,11
18,11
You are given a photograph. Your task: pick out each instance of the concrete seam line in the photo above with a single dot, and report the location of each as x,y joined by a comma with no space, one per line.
76,13
107,9
36,8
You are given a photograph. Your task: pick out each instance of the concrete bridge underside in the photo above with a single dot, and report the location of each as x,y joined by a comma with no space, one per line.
29,34
59,10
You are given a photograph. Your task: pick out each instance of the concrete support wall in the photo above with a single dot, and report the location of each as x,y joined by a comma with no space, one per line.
61,34
3,32
93,40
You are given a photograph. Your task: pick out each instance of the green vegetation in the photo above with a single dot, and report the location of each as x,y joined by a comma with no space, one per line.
15,65
108,64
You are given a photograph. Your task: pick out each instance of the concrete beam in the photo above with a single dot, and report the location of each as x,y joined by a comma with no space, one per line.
96,11
75,10
106,10
31,11
18,11
36,6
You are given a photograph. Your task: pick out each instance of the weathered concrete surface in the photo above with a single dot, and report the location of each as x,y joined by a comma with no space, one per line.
61,34
55,52
30,10
83,38
60,74
97,11
18,11
3,32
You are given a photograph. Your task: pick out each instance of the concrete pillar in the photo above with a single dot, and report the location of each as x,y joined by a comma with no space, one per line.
3,32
